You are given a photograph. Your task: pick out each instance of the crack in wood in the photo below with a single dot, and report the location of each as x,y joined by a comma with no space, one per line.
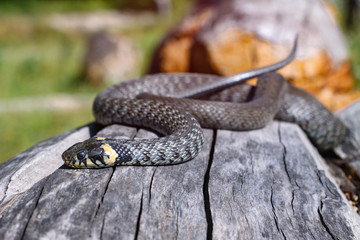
320,174
283,234
206,194
231,211
8,204
319,210
103,195
249,226
6,189
102,228
291,179
276,219
273,209
101,203
251,162
292,201
33,210
310,232
177,222
137,230
284,153
150,185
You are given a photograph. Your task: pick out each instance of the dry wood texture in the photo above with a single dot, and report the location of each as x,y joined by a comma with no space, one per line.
261,184
229,36
350,116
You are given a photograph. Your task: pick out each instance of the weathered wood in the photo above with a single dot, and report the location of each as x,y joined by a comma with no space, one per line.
25,169
275,187
267,183
16,214
350,116
22,179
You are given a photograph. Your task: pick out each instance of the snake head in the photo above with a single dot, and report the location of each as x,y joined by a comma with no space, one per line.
96,152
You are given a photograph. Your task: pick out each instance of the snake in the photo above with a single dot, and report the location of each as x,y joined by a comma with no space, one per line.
179,105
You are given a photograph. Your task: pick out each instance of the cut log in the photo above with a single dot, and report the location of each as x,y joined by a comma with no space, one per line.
266,183
109,59
227,37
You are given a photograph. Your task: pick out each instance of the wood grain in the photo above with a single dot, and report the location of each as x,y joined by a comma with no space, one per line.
261,184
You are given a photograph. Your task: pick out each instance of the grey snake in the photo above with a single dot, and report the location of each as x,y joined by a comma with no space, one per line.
177,105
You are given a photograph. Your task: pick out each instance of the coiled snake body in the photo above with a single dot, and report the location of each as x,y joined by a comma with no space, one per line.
223,106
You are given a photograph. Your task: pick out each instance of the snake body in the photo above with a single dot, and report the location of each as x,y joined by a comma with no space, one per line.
164,107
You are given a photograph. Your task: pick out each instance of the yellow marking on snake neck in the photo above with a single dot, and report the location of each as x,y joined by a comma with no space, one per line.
90,164
77,165
111,154
100,138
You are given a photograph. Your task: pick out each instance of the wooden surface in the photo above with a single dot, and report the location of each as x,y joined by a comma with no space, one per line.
263,184
350,116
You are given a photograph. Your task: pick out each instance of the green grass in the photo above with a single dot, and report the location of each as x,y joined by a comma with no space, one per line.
22,130
43,64
40,7
353,38
35,7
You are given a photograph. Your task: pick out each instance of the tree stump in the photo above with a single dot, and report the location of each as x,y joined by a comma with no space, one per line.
109,59
227,37
264,184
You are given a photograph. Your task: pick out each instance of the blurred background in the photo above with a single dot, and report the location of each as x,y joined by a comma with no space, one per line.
43,50
53,55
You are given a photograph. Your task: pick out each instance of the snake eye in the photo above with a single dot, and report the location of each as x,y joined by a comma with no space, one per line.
80,155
